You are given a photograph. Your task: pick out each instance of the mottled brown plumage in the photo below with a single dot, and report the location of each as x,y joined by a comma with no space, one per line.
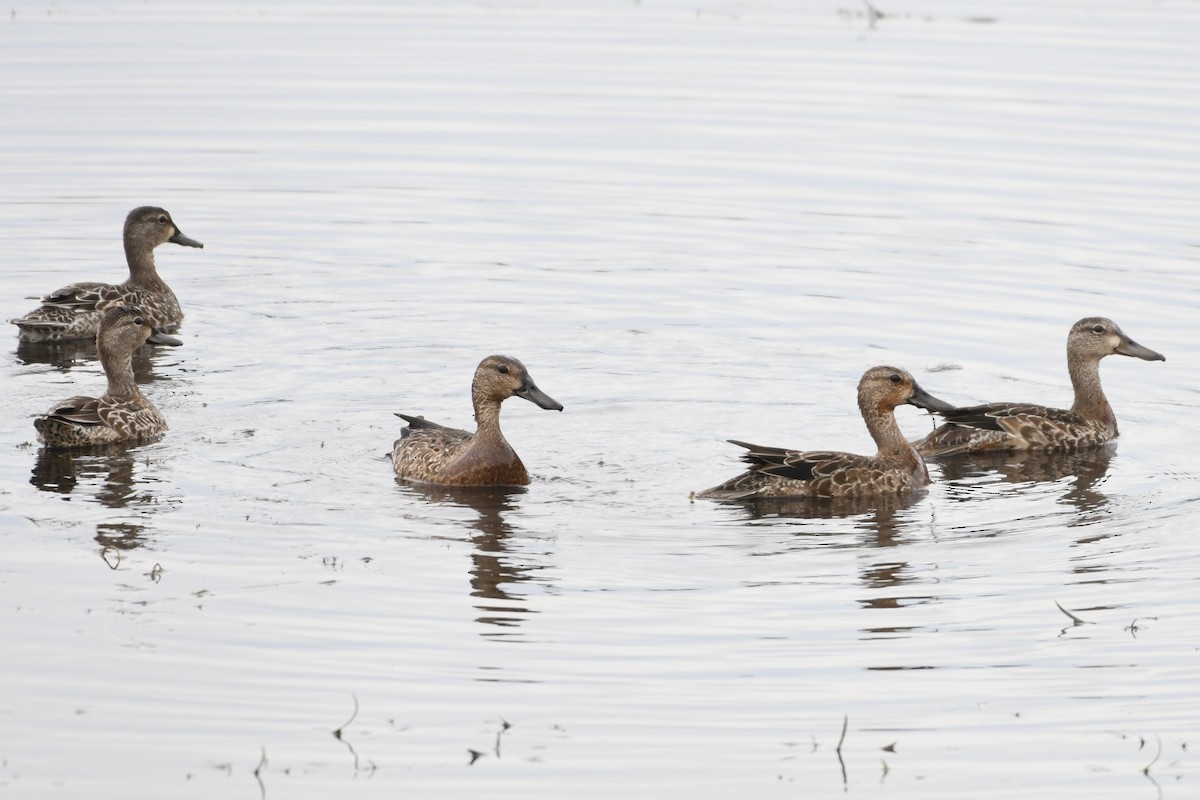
778,472
1024,426
430,453
74,311
122,413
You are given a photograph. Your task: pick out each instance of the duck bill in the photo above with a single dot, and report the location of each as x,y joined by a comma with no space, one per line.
186,241
1128,347
923,399
533,394
158,337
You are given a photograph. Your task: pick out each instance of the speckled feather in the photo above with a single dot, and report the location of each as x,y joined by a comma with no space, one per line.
820,473
427,452
779,472
1025,426
122,413
1014,426
74,311
433,453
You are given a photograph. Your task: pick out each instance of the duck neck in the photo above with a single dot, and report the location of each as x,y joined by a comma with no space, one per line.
487,419
881,422
1090,401
140,256
118,368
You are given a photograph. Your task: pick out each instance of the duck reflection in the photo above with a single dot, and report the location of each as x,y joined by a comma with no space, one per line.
111,472
880,517
1082,473
63,356
492,567
116,538
882,523
61,470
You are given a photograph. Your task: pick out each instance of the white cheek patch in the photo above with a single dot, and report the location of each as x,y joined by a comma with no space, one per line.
1114,341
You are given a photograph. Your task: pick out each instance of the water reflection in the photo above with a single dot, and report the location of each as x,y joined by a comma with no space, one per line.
61,470
116,538
492,566
880,524
881,518
1082,474
112,470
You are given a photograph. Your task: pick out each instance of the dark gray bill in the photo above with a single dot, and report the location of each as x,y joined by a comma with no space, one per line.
533,394
158,337
1128,347
186,241
923,399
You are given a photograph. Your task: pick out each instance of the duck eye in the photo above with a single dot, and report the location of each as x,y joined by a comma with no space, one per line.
502,369
894,378
162,218
1097,329
139,321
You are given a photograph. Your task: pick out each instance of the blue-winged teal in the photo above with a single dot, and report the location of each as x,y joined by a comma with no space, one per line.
122,413
777,472
74,311
432,453
1025,426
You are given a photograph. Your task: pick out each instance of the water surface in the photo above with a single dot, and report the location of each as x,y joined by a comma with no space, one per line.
691,222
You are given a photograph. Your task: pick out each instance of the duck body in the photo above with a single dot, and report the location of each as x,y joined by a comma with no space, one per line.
779,472
122,413
427,452
776,472
1010,427
1090,422
75,310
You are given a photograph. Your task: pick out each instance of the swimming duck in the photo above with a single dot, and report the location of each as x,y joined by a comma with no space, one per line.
122,413
432,453
74,311
777,472
1025,426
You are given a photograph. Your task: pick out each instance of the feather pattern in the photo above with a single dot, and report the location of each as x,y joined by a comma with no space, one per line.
780,472
75,310
122,413
1089,422
427,452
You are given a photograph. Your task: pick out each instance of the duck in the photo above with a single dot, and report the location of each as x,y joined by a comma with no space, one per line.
1090,422
75,310
427,452
122,413
780,472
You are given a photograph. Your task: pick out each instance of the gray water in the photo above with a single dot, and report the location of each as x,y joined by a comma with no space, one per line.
692,222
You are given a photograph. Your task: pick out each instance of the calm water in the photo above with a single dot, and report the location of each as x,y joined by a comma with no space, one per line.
691,222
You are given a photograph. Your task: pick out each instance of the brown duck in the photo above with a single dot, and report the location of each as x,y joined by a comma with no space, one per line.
778,472
74,311
1024,426
122,413
430,453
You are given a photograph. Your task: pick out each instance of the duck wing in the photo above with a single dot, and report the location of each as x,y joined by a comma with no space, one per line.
425,448
78,410
1009,426
421,424
85,295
